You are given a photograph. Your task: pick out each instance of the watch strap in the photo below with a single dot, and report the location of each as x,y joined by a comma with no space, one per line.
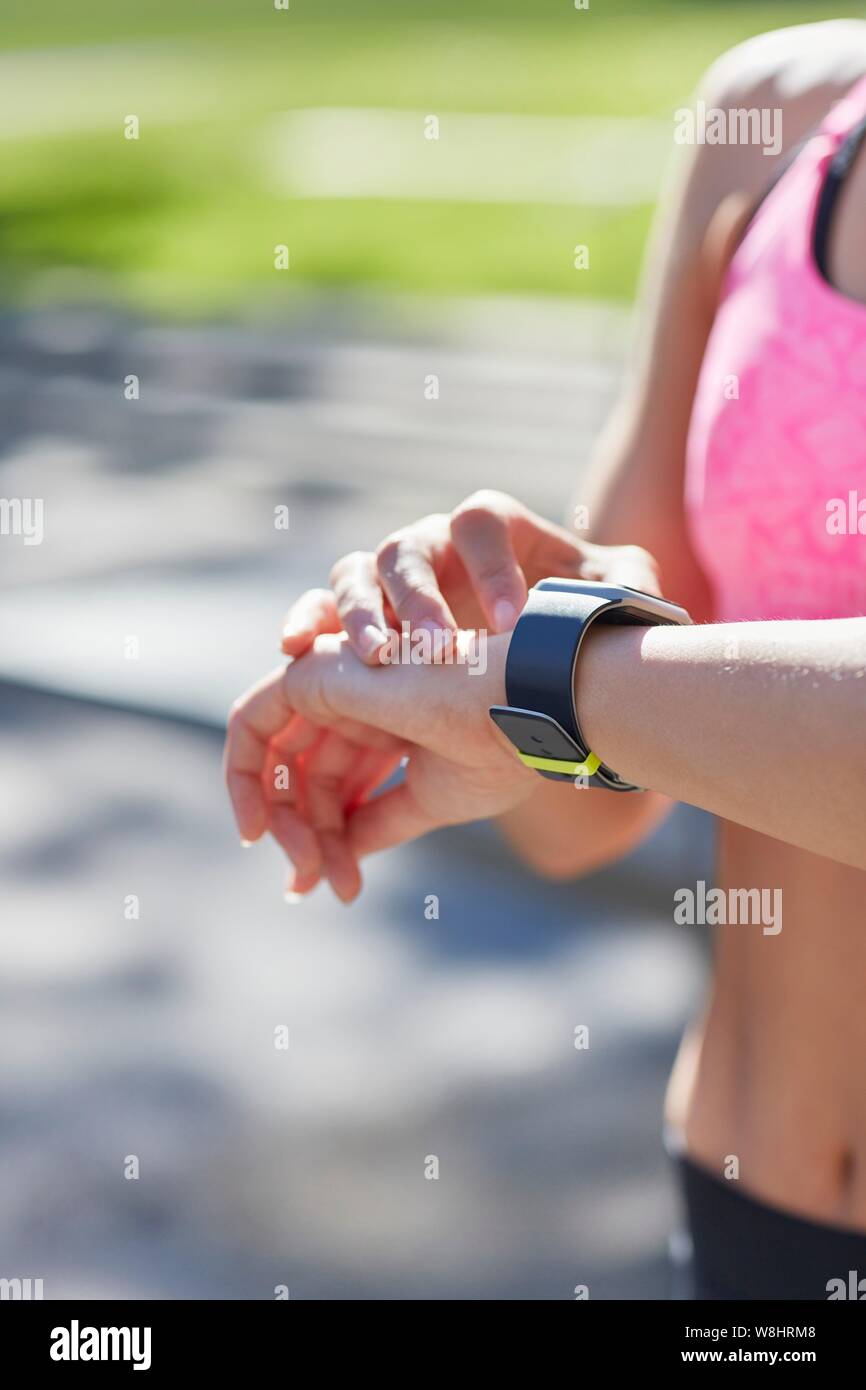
539,676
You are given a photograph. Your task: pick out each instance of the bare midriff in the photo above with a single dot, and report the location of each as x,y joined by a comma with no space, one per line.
774,1074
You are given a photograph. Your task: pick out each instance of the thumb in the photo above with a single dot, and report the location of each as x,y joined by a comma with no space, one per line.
314,612
387,820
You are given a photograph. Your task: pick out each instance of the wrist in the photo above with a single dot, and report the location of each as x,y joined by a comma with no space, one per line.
609,664
492,682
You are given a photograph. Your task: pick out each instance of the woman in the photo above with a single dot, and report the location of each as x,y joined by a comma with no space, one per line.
728,481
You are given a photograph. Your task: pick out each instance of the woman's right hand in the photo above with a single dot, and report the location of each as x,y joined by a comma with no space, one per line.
470,569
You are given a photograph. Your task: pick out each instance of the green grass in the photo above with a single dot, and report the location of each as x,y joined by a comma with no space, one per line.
182,220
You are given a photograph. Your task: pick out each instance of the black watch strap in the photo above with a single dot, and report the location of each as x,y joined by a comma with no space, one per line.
540,718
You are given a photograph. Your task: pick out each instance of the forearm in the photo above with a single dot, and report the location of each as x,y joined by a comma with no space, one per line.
762,723
562,835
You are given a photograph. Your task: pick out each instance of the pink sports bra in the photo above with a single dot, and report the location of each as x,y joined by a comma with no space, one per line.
776,453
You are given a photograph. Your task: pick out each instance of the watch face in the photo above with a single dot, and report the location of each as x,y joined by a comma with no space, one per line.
536,734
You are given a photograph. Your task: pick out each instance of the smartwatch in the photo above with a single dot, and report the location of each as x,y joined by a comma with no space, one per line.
540,718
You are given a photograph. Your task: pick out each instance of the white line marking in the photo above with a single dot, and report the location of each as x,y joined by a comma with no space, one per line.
344,152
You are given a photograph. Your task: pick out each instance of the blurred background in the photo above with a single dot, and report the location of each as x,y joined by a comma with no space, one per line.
163,387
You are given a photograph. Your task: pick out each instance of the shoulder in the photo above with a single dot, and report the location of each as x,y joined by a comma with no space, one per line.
804,65
788,79
796,74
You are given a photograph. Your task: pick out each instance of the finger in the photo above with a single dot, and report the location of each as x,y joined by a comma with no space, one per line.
314,612
260,714
372,769
340,865
297,838
388,820
248,805
481,531
623,564
279,783
359,603
298,736
406,565
298,885
325,769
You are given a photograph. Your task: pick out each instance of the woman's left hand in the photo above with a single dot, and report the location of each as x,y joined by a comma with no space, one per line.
339,728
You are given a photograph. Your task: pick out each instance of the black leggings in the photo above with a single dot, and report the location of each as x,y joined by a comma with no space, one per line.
744,1249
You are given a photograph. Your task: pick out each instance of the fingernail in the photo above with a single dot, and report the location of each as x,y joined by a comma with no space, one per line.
247,844
293,897
372,638
504,615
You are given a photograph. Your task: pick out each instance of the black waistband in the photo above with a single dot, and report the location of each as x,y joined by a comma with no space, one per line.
743,1248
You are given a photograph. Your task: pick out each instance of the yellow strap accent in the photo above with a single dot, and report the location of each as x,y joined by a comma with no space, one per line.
585,769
